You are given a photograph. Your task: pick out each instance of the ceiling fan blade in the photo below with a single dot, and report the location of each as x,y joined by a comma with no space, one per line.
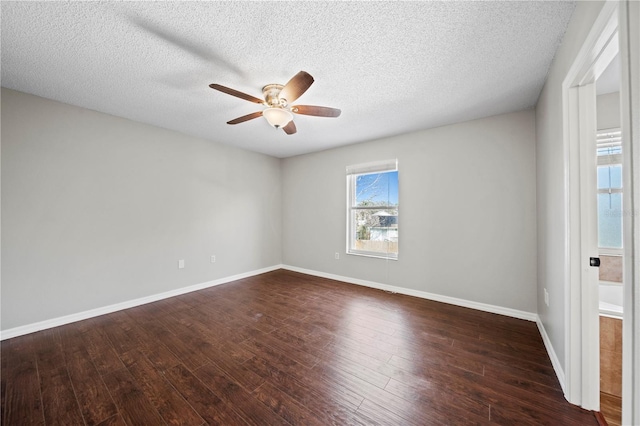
296,86
290,128
318,111
245,118
237,94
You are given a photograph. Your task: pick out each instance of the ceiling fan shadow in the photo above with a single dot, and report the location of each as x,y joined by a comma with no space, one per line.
192,47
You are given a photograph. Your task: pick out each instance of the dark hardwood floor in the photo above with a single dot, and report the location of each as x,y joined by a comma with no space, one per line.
285,348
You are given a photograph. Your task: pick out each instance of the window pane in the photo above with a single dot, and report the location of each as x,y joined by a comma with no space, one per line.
373,215
609,150
376,230
603,177
610,220
377,189
610,176
616,176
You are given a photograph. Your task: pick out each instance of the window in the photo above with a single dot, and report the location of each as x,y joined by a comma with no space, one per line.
609,156
372,209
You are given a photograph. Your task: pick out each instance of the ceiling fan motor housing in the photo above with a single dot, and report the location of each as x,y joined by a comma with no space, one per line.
271,92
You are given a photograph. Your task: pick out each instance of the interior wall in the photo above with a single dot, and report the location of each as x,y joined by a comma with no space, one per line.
550,178
97,210
467,211
608,110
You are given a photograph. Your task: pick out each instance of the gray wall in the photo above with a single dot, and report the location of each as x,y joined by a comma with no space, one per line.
550,174
97,210
608,110
467,211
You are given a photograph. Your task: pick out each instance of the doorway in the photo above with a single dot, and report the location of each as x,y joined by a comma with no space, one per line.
582,361
609,194
582,298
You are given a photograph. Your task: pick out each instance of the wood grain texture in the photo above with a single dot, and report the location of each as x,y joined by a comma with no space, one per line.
611,356
611,409
284,348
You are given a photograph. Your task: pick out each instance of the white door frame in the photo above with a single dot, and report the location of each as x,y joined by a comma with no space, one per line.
614,29
582,362
629,24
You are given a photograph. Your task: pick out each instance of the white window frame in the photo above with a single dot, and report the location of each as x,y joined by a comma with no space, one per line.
353,172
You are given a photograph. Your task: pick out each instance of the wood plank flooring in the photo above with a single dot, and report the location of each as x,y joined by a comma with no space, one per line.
611,408
285,348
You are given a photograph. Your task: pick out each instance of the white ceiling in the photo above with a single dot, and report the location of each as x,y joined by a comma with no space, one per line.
391,67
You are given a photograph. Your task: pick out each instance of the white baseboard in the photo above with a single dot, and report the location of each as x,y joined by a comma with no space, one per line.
67,319
529,316
555,362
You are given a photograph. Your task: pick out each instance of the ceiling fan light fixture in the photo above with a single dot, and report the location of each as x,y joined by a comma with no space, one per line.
277,117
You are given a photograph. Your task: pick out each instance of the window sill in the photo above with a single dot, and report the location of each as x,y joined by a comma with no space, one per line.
604,251
372,254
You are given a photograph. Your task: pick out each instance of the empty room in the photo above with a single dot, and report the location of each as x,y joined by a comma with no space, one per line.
316,213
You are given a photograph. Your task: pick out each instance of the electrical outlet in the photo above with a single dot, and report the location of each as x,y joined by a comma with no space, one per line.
181,264
546,297
337,256
213,258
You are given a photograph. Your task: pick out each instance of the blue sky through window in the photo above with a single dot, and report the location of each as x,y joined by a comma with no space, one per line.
610,206
610,176
377,188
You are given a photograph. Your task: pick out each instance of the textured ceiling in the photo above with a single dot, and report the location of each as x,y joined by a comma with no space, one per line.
391,67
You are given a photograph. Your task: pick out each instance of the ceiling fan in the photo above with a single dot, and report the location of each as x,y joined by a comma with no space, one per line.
277,99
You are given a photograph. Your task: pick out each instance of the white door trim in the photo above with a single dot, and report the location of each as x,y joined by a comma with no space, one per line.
581,306
629,24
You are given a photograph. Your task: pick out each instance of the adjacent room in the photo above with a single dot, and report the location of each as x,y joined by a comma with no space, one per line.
291,212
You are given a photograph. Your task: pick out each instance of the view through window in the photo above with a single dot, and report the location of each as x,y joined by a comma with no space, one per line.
609,155
373,209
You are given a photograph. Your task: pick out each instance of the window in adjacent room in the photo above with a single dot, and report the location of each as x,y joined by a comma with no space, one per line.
609,155
372,209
